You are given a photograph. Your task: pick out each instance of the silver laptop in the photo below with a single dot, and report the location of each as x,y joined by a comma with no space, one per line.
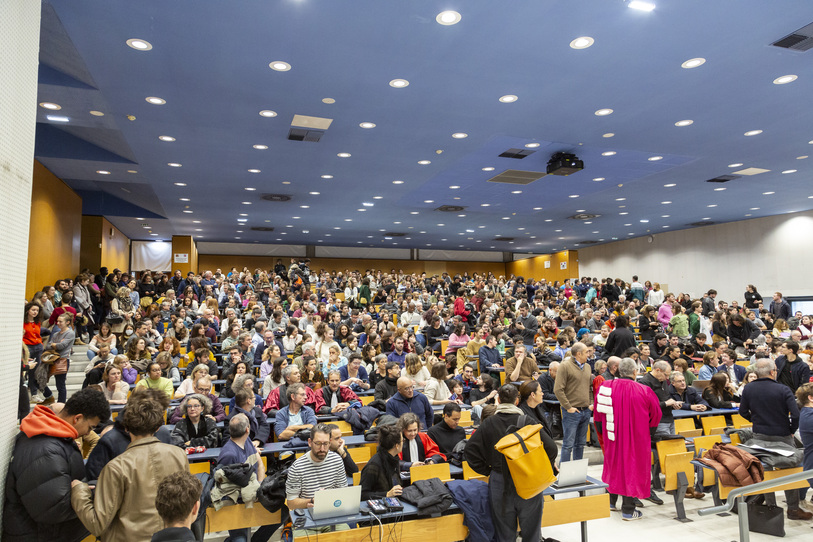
331,503
572,473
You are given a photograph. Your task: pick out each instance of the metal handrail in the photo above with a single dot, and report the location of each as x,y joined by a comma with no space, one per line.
742,506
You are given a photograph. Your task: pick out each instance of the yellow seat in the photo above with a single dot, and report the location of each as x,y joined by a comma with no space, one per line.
239,517
200,467
702,444
685,427
356,478
772,475
744,363
713,422
673,464
735,438
471,474
465,418
425,472
666,447
360,454
367,399
345,427
740,422
502,378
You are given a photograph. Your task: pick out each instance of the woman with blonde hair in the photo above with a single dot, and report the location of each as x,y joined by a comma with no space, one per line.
415,370
115,389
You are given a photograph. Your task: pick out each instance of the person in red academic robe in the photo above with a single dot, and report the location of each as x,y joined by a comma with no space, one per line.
418,448
625,412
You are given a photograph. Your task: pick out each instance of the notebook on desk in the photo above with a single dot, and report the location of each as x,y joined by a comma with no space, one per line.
571,473
331,503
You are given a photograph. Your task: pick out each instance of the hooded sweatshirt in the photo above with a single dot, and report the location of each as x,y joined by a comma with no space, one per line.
43,421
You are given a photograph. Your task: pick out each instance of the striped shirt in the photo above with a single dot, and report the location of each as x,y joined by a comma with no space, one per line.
306,477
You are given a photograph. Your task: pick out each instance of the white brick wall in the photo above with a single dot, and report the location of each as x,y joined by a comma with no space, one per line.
19,51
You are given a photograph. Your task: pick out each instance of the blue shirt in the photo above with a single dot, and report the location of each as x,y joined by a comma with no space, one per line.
706,372
362,374
399,359
282,420
231,453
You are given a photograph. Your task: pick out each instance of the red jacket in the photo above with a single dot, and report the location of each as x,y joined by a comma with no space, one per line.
460,307
430,449
314,400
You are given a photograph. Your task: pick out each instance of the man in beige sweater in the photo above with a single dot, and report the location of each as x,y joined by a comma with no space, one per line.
573,390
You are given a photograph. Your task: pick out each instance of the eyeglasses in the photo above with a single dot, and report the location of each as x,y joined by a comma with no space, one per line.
320,444
202,390
194,406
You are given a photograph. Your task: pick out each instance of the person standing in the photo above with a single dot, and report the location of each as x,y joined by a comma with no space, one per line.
177,502
632,410
572,389
508,509
779,307
772,408
804,395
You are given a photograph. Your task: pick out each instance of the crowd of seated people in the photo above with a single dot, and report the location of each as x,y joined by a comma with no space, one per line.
290,345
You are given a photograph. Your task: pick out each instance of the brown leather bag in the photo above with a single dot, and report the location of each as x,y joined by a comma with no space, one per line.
59,367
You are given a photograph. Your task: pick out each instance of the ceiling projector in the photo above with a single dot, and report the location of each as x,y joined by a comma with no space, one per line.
563,163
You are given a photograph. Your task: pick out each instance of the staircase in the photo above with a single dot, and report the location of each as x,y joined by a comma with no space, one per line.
76,373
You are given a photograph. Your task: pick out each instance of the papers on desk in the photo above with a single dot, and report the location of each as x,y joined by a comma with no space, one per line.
784,453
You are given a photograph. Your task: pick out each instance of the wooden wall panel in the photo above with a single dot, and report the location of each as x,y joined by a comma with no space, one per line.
115,247
55,231
535,267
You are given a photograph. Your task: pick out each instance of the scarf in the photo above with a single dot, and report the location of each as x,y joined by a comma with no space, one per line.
508,409
125,303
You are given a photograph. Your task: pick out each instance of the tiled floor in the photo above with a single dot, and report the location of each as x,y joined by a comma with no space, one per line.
658,522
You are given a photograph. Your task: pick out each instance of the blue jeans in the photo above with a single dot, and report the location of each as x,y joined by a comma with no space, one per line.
574,427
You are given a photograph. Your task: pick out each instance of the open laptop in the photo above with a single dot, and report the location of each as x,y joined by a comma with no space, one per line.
331,503
571,473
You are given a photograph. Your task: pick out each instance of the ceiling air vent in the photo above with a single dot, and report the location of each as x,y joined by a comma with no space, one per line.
393,234
723,179
503,239
800,40
300,134
519,154
262,228
588,242
515,176
450,208
702,223
583,216
276,197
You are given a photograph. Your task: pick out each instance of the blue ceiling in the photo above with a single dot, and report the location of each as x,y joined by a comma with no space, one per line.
210,62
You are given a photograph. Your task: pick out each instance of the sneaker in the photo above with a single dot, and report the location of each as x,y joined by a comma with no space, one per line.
806,505
49,401
614,508
636,514
798,513
37,398
78,341
637,502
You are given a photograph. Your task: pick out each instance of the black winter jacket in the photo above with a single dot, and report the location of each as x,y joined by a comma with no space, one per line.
208,434
38,491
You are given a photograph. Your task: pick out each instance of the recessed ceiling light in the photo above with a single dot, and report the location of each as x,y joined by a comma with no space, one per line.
153,234
413,212
707,218
754,209
429,201
712,205
328,101
327,176
768,193
57,118
737,164
693,63
573,196
313,193
557,230
753,132
51,106
296,217
378,197
184,199
655,158
155,100
641,6
344,155
665,216
286,182
506,218
623,213
246,202
268,113
784,79
719,189
250,188
166,138
139,44
492,169
548,220
96,113
666,202
485,205
188,211
686,122
620,199
174,164
608,153
460,135
198,229
304,206
279,66
180,184
788,171
603,112
532,145
424,162
516,191
103,172
448,18
368,204
348,220
582,42
608,134
399,83
361,210
801,157
598,179
537,208
508,98
260,147
243,214
397,182
669,185
367,125
254,171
